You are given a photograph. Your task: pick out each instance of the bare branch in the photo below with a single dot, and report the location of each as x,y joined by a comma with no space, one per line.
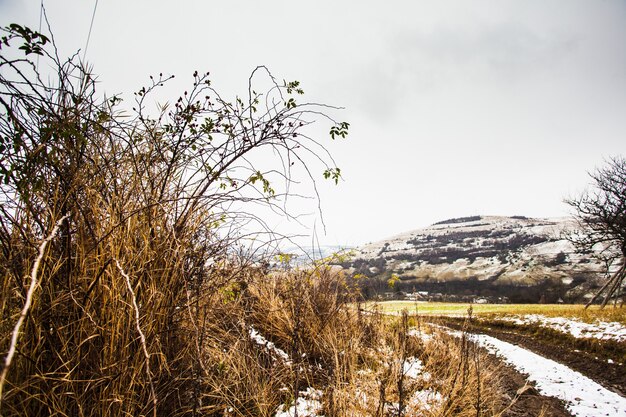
34,283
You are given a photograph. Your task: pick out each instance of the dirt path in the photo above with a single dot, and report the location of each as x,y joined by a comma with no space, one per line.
525,401
595,363
612,376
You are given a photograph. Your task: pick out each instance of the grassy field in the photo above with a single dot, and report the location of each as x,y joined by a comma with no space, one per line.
591,314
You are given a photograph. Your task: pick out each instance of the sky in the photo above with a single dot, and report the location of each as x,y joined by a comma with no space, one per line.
457,108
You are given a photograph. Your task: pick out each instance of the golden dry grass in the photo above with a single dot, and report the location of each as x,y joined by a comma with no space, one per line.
207,364
594,312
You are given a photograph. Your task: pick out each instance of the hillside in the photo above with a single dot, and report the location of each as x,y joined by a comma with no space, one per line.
499,258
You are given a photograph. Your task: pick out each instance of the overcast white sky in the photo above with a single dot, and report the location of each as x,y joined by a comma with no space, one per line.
456,108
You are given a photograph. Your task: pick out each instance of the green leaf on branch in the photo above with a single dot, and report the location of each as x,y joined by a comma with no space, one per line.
333,173
33,41
293,86
267,188
340,129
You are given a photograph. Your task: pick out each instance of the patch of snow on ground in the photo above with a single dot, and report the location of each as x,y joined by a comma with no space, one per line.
260,340
599,330
413,368
308,405
424,400
583,397
426,337
420,401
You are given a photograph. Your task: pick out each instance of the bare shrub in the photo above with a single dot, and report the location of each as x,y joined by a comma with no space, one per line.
150,207
600,214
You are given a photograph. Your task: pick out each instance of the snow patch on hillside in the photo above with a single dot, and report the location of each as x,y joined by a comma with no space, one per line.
499,251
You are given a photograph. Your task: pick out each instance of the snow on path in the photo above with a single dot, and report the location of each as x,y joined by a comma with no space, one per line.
599,329
583,397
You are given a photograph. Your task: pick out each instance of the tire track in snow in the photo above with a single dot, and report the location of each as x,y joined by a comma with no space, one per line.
583,396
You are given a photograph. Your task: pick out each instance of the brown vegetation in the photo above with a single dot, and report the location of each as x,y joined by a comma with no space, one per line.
123,288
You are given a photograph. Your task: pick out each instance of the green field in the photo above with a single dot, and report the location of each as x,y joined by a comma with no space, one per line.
609,313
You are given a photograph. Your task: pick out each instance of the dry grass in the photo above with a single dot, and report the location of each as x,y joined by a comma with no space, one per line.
143,304
594,312
470,383
202,360
456,379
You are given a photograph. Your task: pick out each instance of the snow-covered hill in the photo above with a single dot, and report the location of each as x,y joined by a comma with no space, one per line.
523,259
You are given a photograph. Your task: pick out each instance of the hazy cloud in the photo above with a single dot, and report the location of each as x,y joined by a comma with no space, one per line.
457,107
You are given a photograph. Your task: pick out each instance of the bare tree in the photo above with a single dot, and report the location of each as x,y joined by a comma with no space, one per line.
601,214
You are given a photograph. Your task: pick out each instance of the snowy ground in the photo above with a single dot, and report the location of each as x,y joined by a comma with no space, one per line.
599,329
309,402
308,405
271,347
583,397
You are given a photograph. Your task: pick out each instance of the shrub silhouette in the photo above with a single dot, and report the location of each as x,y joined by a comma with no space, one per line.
126,223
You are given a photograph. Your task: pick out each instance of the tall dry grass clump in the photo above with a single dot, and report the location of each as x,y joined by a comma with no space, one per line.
468,379
120,230
275,336
408,372
310,315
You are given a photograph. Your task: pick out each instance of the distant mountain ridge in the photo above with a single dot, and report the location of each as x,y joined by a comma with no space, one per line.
507,258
